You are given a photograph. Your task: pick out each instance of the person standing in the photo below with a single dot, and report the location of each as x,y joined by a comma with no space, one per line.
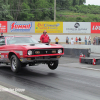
44,38
72,41
96,40
85,40
1,35
79,40
76,39
56,40
89,40
67,40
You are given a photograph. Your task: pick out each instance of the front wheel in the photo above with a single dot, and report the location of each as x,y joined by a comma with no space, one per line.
53,64
15,64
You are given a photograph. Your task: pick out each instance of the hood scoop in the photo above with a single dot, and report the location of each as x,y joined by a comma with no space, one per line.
46,43
32,44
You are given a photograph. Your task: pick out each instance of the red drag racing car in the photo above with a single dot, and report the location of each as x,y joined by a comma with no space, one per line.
22,50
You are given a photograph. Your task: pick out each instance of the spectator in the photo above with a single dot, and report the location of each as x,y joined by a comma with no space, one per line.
89,41
76,39
79,40
56,40
72,41
67,40
85,40
1,34
44,38
98,40
94,41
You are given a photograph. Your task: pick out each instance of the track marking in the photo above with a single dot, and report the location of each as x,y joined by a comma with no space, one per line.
81,67
89,68
16,93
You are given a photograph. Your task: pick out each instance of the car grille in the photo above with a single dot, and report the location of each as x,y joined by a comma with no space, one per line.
45,51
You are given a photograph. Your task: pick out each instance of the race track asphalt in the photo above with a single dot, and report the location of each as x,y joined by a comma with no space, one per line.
70,81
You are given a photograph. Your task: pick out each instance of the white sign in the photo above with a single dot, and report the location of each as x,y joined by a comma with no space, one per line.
77,27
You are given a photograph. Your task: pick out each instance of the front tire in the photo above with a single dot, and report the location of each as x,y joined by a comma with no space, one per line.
15,64
53,64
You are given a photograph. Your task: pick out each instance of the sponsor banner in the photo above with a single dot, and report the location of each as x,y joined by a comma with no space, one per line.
76,27
3,26
95,27
50,27
21,26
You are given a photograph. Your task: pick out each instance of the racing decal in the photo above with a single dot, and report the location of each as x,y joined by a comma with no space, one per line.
2,56
21,26
3,26
6,56
4,51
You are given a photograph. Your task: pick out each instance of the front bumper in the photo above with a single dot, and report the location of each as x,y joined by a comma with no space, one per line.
38,59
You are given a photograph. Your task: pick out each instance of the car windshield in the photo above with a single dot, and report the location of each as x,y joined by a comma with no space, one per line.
20,40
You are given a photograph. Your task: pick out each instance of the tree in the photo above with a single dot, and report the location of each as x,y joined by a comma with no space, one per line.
43,8
5,11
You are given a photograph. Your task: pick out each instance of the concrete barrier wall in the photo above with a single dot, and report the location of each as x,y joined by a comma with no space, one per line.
94,48
74,52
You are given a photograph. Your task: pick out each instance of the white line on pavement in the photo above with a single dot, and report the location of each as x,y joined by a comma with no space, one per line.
89,68
81,67
16,93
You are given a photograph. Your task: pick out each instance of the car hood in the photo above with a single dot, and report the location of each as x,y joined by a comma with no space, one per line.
39,45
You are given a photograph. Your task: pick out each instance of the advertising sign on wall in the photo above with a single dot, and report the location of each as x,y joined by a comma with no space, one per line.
95,27
21,26
3,26
76,27
50,27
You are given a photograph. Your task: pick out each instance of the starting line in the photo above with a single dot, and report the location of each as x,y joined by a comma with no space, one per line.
15,93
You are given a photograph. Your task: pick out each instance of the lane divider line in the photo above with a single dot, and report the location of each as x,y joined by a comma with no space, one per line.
82,67
16,93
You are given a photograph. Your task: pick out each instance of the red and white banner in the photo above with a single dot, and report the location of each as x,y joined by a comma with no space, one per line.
95,27
3,26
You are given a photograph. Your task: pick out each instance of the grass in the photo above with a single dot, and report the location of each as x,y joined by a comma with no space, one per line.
65,15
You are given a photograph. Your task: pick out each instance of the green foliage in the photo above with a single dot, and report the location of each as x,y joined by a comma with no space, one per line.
43,10
4,11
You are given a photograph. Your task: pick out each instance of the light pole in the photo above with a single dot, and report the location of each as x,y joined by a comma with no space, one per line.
54,10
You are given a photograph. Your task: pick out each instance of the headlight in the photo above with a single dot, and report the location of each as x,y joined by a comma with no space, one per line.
59,51
30,52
